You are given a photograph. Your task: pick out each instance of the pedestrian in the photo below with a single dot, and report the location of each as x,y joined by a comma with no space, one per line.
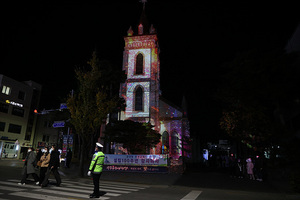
250,167
52,167
239,169
232,163
45,159
68,158
39,153
29,166
95,169
259,168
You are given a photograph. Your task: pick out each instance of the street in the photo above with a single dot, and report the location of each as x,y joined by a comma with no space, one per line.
80,188
72,189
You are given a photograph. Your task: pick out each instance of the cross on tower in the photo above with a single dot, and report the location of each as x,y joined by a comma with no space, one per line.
143,2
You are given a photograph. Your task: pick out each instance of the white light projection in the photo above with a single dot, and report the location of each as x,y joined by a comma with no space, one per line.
131,63
130,112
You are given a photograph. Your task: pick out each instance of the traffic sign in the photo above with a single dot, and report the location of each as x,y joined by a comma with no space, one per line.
58,124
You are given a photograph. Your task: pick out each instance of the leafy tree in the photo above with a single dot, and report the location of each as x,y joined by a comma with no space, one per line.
92,102
254,85
134,136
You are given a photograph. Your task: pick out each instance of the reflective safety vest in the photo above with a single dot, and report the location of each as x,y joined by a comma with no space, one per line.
97,162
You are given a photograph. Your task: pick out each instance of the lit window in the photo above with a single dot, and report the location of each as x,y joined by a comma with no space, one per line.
139,64
6,90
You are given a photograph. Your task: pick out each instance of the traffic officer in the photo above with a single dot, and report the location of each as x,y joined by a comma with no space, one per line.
95,169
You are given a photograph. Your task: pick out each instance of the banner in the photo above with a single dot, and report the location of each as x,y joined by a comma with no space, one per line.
149,169
136,160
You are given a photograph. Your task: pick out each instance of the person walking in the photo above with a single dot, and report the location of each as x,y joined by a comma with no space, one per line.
68,158
239,169
95,169
45,159
29,167
39,153
250,167
53,167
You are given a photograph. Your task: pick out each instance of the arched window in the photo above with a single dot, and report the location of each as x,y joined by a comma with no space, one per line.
139,64
165,142
174,140
139,99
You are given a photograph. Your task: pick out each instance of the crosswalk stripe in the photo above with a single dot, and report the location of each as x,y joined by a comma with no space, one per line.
122,186
91,187
11,189
16,185
72,194
118,188
103,186
192,195
37,196
109,183
126,184
82,191
69,189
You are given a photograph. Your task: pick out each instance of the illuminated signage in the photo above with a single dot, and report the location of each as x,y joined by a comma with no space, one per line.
58,124
136,160
14,103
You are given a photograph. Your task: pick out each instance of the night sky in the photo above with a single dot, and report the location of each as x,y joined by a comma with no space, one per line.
45,42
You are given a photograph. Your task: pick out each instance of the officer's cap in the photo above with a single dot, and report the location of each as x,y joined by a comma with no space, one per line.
99,145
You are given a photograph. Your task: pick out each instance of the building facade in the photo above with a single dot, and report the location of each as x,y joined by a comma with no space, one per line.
52,129
18,100
142,94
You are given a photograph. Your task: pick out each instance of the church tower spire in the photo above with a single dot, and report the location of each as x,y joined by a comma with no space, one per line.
143,27
142,66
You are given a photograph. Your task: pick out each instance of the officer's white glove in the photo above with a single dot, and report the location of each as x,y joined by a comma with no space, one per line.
89,173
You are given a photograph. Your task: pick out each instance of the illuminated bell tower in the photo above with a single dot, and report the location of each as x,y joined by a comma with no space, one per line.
141,64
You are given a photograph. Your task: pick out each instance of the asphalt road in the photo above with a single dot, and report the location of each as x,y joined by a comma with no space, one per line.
162,187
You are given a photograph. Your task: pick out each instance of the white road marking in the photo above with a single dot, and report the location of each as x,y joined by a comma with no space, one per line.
11,188
192,195
36,196
91,188
69,189
71,194
16,185
112,184
83,191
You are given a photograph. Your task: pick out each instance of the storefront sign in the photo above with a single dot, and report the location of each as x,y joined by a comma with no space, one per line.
67,143
14,103
136,160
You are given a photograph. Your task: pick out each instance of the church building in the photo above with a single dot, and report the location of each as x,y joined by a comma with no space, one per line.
142,94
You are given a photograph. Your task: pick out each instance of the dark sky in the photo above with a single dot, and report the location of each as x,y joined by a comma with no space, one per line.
44,42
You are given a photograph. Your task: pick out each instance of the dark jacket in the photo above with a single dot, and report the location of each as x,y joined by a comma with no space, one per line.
30,162
54,159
